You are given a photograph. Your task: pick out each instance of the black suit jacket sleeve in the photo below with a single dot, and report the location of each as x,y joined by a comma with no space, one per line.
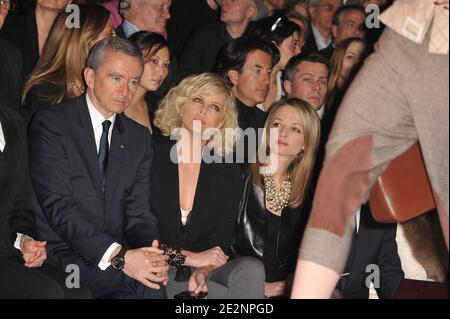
141,227
51,176
23,218
388,260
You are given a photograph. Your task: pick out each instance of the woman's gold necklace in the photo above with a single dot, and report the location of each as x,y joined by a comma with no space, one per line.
277,200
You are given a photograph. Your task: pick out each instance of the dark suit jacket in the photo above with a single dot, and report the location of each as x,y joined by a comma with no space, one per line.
310,45
212,220
11,74
327,52
374,245
16,214
201,50
186,17
37,98
21,30
77,219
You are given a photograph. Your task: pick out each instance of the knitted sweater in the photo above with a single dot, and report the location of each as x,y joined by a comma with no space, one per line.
399,97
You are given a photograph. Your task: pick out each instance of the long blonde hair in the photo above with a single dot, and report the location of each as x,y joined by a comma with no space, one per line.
63,58
168,116
301,168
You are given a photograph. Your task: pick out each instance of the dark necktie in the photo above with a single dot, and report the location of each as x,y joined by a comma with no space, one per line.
103,152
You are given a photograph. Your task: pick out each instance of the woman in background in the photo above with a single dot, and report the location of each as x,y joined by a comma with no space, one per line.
156,54
345,62
58,75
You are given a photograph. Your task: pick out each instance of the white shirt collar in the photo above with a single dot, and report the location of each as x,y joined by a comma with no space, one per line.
2,138
321,111
96,117
97,120
320,40
129,28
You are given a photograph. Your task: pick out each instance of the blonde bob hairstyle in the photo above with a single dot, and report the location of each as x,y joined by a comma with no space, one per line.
301,169
168,117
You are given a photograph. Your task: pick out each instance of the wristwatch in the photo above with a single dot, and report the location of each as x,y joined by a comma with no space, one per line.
118,261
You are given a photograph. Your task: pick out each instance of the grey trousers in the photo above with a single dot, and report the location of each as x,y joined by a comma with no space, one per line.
241,278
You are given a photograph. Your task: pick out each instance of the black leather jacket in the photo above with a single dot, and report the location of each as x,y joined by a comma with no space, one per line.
251,232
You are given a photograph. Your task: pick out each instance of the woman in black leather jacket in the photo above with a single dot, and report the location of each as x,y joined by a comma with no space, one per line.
275,205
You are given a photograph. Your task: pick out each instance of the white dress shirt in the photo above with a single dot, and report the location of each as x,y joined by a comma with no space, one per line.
2,139
321,111
97,120
321,42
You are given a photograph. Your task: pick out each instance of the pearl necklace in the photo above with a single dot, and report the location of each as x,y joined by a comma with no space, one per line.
277,200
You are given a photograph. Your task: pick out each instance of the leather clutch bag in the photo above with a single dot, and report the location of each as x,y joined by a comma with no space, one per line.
403,191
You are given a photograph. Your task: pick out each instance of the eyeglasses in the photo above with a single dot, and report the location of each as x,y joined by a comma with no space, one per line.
7,5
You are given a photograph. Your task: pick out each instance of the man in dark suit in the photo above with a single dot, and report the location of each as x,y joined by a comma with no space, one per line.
90,166
348,22
373,252
321,13
20,254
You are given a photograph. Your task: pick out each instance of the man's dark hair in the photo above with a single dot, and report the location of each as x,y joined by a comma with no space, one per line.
114,44
233,54
292,66
337,18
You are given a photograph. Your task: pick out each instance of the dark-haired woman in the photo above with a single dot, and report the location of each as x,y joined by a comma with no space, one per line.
156,68
285,35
